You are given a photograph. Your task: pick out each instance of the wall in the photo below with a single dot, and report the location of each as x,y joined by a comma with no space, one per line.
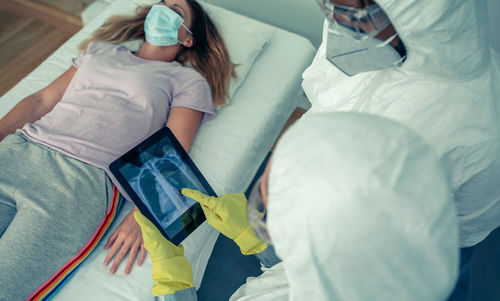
494,20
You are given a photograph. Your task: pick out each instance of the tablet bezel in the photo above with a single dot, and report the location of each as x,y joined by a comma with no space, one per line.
116,165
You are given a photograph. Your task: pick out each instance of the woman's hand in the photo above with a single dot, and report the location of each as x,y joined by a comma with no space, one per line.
126,239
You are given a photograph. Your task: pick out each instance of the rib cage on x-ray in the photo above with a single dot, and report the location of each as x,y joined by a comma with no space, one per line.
160,181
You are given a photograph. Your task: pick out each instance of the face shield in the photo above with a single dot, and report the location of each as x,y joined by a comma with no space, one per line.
351,44
367,21
257,213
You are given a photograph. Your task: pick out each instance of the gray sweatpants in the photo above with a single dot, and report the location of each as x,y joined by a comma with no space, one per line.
50,206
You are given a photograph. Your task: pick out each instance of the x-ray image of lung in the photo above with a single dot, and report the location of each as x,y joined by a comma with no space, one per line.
158,183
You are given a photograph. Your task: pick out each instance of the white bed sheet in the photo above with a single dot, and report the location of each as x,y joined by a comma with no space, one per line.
227,150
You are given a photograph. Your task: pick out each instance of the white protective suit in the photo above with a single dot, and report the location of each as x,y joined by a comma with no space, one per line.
358,209
447,91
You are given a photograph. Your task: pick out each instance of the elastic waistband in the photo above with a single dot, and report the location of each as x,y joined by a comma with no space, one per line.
49,149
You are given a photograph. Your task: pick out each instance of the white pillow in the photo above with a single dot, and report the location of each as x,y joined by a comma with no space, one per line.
245,38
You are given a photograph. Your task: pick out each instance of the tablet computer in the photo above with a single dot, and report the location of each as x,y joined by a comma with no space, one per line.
153,174
258,174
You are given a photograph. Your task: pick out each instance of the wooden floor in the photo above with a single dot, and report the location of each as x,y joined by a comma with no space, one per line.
30,30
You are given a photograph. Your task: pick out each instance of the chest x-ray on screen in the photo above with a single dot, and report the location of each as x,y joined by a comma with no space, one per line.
157,176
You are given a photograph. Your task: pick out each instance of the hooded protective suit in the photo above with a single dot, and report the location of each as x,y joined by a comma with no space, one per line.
358,209
447,90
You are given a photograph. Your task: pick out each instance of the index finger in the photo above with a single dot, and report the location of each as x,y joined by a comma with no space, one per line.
199,197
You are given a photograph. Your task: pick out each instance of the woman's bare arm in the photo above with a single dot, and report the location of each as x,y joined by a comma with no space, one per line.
184,123
35,106
127,239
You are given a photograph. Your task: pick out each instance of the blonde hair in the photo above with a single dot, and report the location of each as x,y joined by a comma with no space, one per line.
208,55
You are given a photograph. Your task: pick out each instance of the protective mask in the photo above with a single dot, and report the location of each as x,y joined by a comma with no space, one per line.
257,213
162,26
353,55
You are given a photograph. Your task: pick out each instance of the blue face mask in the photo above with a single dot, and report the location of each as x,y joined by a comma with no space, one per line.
162,26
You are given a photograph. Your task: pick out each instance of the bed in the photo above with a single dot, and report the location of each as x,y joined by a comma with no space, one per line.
227,149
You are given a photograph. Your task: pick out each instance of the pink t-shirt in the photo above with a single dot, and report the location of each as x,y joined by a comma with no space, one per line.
116,100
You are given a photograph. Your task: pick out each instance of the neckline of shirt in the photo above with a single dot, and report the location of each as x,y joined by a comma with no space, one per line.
139,59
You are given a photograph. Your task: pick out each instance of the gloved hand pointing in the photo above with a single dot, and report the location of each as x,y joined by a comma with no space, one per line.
228,215
171,271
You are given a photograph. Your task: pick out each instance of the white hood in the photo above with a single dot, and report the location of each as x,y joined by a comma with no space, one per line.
359,209
447,90
444,38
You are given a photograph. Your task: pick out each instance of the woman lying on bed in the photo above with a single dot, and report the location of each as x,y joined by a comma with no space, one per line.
53,185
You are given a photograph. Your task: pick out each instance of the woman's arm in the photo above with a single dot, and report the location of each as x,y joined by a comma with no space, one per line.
127,238
35,106
184,123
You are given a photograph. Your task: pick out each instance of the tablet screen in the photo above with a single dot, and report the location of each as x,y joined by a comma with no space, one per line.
153,173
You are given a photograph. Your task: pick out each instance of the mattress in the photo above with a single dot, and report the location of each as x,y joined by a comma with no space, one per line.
228,150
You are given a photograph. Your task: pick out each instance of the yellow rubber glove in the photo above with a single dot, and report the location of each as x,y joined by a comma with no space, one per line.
228,215
171,270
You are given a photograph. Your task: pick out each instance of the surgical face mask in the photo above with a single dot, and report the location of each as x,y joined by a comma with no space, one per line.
353,54
162,26
257,213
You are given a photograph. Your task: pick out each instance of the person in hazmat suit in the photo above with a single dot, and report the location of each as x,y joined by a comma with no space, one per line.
356,206
429,65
